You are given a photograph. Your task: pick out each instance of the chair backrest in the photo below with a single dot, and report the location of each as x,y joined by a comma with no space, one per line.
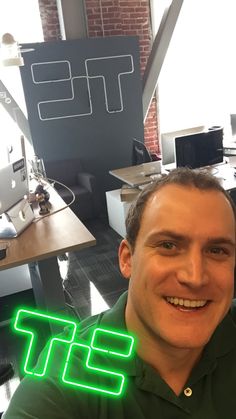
64,171
140,153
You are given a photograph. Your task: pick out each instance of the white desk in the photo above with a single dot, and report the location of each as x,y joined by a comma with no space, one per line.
225,173
8,283
229,148
117,211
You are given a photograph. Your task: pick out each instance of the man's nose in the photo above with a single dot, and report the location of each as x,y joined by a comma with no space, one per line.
193,269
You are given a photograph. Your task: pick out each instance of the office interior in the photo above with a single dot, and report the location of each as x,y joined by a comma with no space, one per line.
175,96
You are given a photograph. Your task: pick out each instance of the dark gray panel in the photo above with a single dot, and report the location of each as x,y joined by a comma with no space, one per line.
84,100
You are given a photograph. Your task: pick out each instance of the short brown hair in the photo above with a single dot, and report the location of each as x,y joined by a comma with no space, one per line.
198,178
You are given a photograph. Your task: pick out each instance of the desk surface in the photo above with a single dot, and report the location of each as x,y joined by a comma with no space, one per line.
225,173
49,236
137,175
140,175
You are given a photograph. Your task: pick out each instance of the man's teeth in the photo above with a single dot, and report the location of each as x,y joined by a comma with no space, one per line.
186,303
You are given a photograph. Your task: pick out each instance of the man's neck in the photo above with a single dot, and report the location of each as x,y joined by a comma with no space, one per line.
173,364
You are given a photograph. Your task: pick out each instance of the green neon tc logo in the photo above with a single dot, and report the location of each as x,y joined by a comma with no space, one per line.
93,358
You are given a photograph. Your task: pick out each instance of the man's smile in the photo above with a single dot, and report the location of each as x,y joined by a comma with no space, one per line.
182,302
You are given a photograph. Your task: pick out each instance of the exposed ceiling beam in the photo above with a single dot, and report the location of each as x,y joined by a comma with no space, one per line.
13,109
158,52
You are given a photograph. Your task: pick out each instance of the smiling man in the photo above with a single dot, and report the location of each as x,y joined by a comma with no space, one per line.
179,258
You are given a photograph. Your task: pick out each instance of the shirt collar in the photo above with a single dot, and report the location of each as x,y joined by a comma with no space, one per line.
221,343
115,319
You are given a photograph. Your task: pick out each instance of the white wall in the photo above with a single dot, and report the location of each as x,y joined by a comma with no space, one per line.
22,19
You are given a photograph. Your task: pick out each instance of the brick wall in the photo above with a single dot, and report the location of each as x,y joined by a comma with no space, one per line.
126,17
110,18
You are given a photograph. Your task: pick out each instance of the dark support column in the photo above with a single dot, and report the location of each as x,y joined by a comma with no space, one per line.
48,289
72,19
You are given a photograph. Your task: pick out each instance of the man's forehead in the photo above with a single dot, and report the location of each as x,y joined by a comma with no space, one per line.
170,188
183,198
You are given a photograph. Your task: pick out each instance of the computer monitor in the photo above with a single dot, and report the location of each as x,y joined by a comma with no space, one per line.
140,153
168,142
233,124
15,211
199,150
14,184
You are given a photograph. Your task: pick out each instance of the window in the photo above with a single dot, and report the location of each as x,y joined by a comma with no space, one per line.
22,20
197,83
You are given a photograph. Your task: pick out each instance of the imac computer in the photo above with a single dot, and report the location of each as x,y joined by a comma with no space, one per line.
200,149
168,142
15,211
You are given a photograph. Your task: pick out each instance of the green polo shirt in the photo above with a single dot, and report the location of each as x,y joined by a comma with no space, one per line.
210,392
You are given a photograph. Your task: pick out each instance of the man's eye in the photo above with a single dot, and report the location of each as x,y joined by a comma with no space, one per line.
218,251
168,245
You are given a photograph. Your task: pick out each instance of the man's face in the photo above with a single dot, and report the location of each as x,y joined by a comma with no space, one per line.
182,268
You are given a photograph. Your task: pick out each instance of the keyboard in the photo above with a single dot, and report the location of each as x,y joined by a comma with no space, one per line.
230,151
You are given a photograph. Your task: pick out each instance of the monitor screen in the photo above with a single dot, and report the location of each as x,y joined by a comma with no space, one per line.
199,150
13,184
168,142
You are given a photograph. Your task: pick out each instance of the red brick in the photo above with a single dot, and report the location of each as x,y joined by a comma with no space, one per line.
112,9
141,10
131,32
116,32
129,9
112,20
108,3
108,15
94,16
131,3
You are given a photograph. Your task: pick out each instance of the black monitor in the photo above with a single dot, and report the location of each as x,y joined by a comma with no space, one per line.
140,153
201,149
168,142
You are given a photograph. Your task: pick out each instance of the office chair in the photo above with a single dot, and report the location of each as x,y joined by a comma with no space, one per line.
6,372
140,153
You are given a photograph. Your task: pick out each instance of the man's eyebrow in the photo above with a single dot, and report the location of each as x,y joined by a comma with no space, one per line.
221,240
170,234
180,237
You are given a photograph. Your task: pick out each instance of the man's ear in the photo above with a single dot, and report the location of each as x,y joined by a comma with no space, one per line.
125,256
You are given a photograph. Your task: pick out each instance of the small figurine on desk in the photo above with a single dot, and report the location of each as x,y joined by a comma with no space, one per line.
42,197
